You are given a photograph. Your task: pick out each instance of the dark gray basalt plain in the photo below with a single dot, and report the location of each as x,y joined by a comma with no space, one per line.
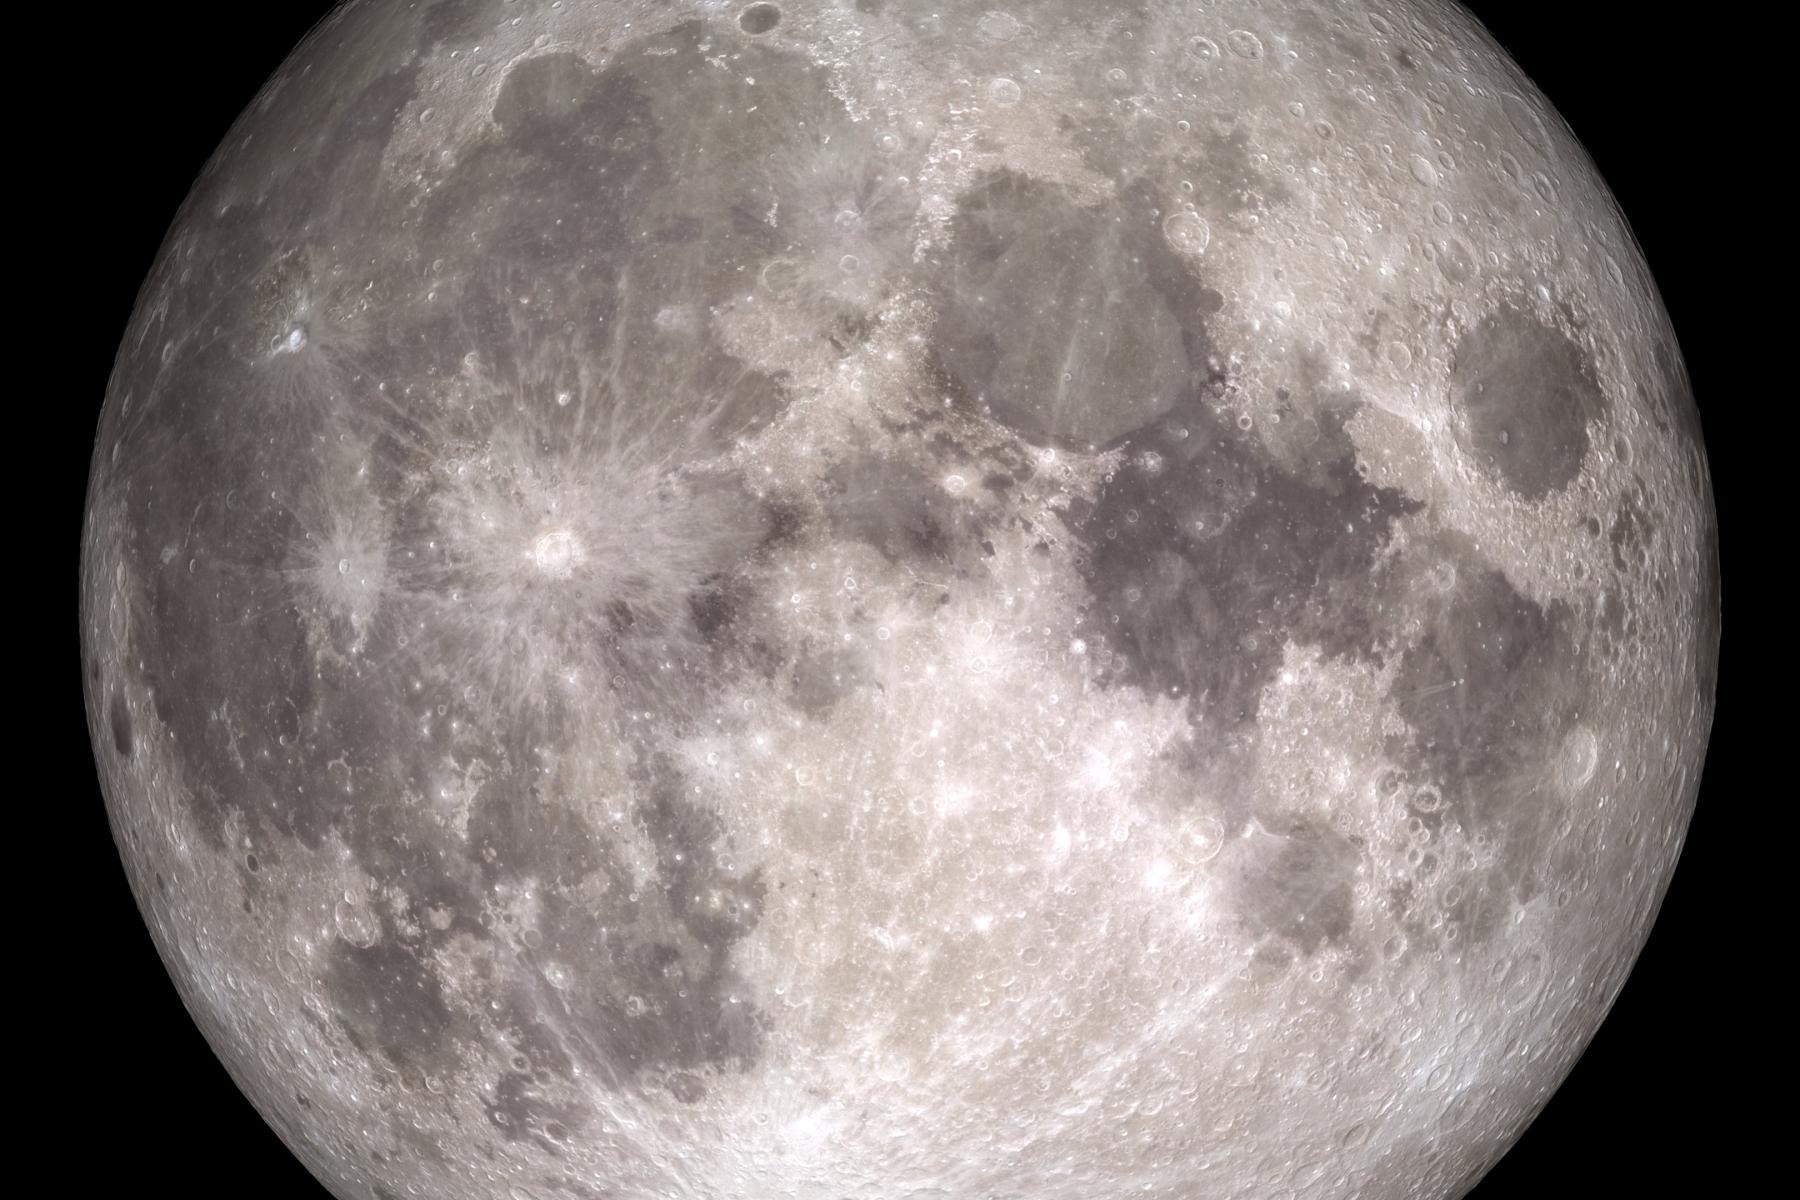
883,600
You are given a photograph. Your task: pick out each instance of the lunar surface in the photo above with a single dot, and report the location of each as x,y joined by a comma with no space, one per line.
885,600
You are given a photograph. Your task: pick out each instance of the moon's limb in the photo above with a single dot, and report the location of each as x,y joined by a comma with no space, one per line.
868,599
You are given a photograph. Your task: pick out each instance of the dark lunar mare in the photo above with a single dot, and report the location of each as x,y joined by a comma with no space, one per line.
566,253
1212,545
1524,396
1203,552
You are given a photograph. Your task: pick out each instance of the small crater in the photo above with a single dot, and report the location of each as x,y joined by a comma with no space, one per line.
1579,757
1454,259
118,716
759,19
1244,44
1187,232
997,26
557,553
356,924
1632,532
782,277
1200,840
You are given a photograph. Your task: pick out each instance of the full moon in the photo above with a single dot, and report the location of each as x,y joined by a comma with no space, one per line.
859,598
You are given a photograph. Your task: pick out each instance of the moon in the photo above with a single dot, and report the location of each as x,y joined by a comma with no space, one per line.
862,598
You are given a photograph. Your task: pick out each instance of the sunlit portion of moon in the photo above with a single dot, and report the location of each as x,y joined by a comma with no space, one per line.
874,599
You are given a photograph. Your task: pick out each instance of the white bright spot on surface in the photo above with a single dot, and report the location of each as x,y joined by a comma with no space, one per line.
1159,875
557,553
1188,232
1200,840
1098,771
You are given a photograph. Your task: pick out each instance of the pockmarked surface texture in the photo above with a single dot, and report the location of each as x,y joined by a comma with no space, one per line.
896,600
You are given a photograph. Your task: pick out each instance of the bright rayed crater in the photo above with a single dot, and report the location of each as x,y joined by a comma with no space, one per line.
880,601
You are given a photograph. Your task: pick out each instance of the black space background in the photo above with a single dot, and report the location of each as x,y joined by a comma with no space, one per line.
1655,1107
